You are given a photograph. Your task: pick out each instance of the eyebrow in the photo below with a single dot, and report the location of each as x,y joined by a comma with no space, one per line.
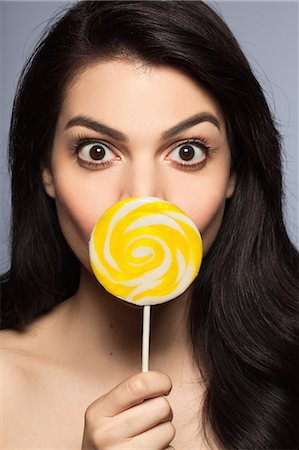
87,122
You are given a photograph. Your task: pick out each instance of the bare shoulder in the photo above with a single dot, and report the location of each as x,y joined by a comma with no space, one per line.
17,369
19,348
29,379
15,380
13,354
22,353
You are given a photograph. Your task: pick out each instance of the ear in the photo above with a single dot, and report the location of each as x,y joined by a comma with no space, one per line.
47,180
231,185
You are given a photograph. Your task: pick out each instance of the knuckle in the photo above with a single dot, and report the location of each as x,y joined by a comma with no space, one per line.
89,415
136,386
168,383
101,437
93,440
92,416
98,430
170,431
150,382
164,407
164,380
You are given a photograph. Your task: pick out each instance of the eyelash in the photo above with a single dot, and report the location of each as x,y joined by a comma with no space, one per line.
203,145
80,141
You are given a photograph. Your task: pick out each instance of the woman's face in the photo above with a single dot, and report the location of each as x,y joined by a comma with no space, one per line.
125,130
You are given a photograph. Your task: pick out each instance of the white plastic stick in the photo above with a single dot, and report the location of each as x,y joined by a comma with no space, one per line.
146,337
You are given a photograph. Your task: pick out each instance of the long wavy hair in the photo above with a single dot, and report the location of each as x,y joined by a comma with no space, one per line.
243,313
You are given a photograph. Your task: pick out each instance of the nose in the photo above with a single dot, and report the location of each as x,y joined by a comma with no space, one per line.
143,178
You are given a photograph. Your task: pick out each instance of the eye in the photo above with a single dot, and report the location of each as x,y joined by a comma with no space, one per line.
190,153
97,152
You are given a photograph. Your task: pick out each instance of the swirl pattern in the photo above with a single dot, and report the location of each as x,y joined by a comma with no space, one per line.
145,251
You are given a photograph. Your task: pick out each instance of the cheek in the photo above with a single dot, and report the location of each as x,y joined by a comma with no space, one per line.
75,214
208,215
76,222
209,221
205,206
78,210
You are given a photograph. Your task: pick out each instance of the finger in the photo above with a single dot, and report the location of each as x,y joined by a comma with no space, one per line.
159,437
131,392
143,417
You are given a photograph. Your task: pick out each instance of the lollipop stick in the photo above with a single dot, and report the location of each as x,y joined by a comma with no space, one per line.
145,337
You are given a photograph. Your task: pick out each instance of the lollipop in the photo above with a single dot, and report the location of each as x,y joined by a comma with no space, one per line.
145,251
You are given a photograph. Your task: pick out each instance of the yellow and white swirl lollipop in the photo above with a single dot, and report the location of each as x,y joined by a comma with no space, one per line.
145,251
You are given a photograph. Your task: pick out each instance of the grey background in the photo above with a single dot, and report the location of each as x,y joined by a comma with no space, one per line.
267,32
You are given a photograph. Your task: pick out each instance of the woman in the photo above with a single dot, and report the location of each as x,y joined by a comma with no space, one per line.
147,98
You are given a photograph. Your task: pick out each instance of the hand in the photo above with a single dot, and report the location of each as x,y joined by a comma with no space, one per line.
133,415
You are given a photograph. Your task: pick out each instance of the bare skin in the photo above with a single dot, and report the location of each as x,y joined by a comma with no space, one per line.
62,364
67,377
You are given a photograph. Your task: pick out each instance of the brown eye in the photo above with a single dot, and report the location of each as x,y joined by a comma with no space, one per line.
96,152
186,153
189,153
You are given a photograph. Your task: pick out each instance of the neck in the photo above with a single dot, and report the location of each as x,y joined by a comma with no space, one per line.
98,324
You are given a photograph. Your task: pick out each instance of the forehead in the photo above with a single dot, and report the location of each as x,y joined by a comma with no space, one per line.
130,95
